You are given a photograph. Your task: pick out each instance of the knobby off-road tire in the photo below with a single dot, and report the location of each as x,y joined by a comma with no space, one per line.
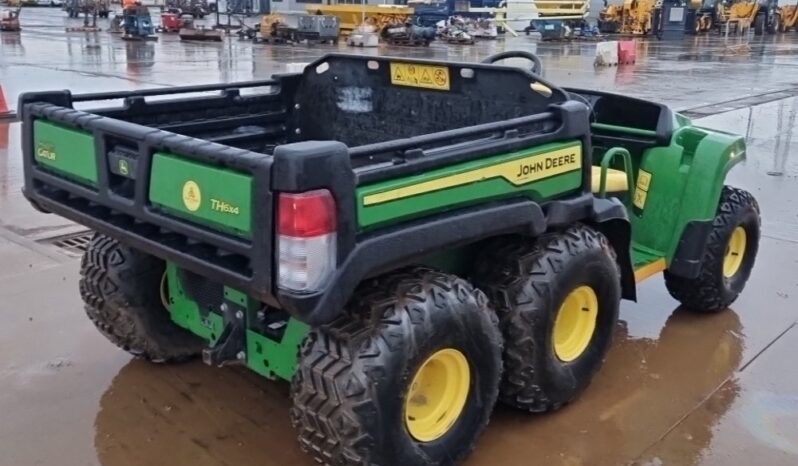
527,282
350,391
121,290
712,291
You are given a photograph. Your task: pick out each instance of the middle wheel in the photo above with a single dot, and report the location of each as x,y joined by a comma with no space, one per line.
557,298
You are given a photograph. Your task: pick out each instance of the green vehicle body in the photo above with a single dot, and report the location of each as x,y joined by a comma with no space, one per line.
694,166
673,188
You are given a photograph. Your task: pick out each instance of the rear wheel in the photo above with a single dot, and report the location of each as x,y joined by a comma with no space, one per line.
728,256
408,377
122,290
557,300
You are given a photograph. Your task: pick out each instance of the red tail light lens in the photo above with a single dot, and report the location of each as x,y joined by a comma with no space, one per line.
306,214
306,240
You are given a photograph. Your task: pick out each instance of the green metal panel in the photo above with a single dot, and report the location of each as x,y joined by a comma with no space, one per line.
209,195
642,255
276,359
65,151
186,313
685,182
266,356
538,174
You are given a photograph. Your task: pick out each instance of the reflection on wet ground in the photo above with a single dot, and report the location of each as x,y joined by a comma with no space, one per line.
677,389
647,385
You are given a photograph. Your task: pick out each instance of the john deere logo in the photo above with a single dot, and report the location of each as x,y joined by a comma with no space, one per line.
45,151
124,168
192,197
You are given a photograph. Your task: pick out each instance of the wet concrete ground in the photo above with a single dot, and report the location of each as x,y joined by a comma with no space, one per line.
677,389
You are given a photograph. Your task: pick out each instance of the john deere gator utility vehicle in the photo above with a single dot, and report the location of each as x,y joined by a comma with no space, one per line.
405,241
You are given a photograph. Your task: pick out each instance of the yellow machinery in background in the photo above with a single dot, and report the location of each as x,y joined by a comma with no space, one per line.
706,16
610,18
268,23
762,15
741,11
352,15
635,16
788,18
632,17
562,9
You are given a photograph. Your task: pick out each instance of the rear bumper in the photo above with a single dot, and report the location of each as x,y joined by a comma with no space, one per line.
128,215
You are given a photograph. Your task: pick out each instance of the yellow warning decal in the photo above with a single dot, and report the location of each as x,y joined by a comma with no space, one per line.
641,191
518,172
424,76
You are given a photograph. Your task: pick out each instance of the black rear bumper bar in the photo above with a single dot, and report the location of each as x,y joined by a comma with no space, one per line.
129,216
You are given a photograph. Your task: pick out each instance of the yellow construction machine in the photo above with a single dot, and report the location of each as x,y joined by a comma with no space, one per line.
352,15
562,9
762,15
631,17
635,16
706,16
741,12
788,18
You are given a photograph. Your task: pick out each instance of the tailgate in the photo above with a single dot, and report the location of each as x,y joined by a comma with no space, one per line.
179,198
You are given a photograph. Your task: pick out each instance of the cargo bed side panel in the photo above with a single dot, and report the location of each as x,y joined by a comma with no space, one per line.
216,197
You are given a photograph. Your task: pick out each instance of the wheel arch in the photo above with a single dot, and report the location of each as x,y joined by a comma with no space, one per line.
610,219
410,242
710,157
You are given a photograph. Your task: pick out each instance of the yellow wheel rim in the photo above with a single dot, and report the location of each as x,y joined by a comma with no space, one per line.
575,323
437,395
165,292
735,252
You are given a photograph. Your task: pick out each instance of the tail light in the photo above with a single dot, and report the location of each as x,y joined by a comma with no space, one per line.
306,240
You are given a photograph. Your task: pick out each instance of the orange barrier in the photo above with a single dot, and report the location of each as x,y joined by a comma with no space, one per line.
4,130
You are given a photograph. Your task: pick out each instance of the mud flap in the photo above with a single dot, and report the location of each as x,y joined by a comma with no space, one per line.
610,218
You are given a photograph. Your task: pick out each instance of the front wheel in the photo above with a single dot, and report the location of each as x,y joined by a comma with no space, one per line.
728,257
408,377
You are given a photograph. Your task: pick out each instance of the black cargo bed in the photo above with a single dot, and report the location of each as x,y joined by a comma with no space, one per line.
344,122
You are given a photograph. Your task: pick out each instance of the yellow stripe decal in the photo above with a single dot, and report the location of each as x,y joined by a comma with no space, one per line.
650,269
518,172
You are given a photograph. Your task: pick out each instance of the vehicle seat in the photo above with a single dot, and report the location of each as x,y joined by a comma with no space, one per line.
616,180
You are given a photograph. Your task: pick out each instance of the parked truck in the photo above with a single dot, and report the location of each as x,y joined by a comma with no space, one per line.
99,8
